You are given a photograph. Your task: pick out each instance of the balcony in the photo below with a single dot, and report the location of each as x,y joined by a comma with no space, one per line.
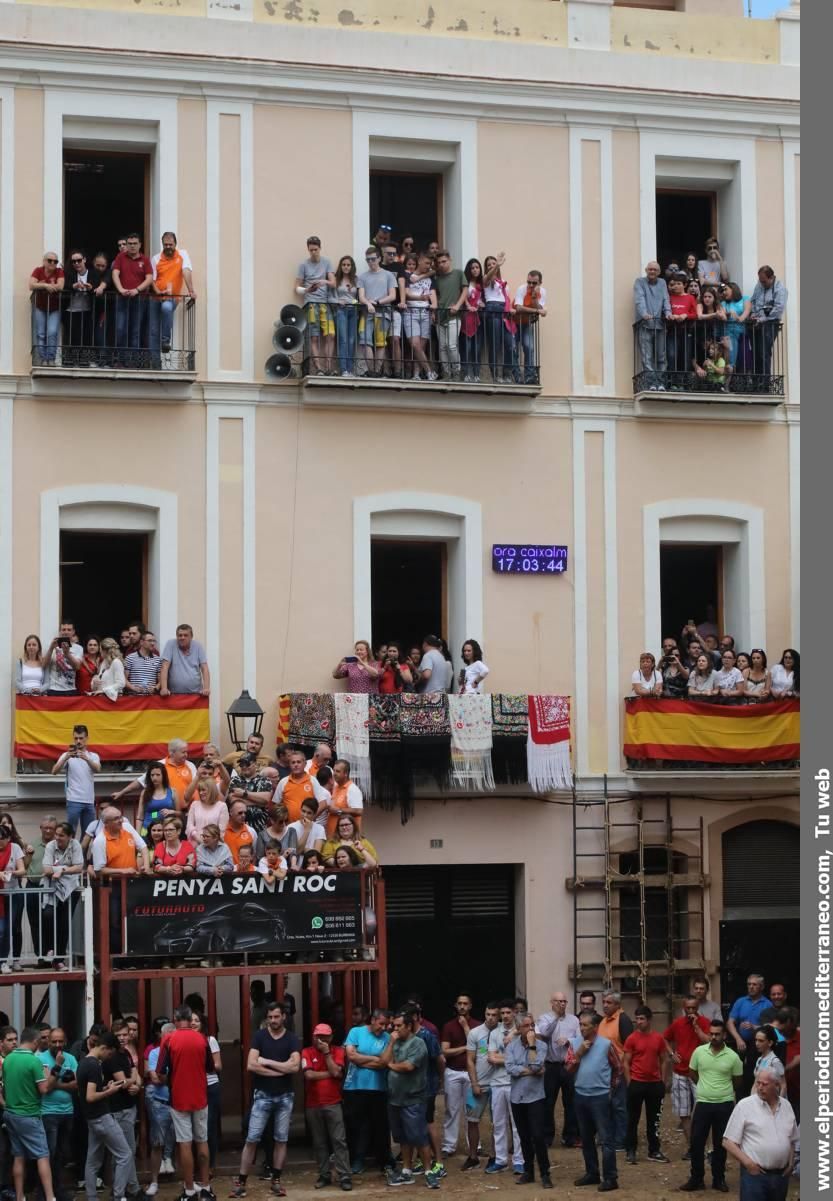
429,358
736,745
126,338
672,364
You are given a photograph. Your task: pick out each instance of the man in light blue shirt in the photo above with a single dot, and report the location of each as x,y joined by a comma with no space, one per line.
365,1095
594,1062
652,307
56,1106
524,1059
744,1019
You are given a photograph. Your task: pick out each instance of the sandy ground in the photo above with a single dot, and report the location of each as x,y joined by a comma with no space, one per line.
653,1181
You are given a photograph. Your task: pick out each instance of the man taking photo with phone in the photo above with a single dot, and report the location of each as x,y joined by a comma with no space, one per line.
81,765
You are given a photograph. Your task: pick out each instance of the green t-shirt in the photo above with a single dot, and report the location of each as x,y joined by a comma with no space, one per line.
715,1073
448,288
22,1070
408,1088
59,1100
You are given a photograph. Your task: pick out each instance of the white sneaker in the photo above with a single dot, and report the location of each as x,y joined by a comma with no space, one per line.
167,1168
6,968
431,376
660,387
151,1189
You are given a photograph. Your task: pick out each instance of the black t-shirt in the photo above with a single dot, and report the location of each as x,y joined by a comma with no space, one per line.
280,1050
90,1072
119,1061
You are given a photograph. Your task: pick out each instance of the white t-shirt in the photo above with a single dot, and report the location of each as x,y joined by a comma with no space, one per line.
15,856
80,785
520,295
782,680
701,683
472,672
264,868
494,292
728,679
214,1048
317,832
638,678
60,672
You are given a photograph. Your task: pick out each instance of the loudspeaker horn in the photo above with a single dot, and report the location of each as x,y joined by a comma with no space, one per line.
288,338
278,366
291,314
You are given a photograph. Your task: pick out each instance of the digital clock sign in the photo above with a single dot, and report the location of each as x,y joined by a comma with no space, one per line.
511,558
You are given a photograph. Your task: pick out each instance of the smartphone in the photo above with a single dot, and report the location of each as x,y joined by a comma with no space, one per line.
351,658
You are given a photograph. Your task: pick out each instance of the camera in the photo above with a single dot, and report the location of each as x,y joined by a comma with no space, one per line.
67,1076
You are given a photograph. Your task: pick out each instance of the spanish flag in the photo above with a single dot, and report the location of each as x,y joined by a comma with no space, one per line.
700,732
134,727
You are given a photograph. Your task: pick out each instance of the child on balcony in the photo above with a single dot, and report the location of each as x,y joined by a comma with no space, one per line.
713,369
273,865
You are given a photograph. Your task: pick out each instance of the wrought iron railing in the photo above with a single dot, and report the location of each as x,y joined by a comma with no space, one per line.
408,343
711,357
113,332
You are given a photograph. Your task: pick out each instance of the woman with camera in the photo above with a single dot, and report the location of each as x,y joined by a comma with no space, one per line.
395,675
674,675
361,672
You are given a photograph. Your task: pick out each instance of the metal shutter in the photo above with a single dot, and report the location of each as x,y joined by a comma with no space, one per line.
761,871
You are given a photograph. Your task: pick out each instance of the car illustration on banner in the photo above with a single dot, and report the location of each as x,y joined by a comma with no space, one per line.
227,928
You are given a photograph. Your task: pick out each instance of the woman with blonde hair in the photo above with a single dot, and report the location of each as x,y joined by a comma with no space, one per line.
110,678
360,669
207,809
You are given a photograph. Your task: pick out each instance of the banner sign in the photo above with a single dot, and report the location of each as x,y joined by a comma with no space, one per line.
510,558
700,732
133,727
215,915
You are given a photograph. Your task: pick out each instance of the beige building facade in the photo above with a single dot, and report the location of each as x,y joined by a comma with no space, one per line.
576,136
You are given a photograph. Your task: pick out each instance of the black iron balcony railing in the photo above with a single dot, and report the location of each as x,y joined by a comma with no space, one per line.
113,332
409,343
712,358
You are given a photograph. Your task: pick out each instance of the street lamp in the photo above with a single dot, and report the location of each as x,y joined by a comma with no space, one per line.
245,709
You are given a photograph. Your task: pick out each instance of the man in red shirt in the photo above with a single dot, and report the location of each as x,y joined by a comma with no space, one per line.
453,1038
682,1038
185,1059
323,1068
679,335
788,1025
645,1058
132,279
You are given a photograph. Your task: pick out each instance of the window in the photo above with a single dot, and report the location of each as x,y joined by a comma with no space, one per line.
691,583
685,219
106,196
410,202
408,591
103,580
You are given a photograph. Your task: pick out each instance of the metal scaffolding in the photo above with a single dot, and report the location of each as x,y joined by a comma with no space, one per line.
638,900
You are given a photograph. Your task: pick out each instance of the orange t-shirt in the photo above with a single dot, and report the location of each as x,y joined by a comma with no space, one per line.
169,273
609,1029
295,793
339,800
121,850
179,777
235,839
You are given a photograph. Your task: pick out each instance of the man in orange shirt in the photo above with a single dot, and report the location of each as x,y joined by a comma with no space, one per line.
117,852
616,1026
238,834
292,789
346,798
172,279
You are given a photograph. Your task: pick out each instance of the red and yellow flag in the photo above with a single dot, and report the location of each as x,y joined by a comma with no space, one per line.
700,732
133,727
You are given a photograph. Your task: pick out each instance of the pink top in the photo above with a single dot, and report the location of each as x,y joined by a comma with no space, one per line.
358,680
200,816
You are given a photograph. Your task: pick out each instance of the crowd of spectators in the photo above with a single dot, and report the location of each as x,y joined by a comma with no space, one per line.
704,665
697,329
109,312
411,314
425,668
131,665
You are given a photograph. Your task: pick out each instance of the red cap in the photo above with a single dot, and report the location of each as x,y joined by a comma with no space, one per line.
322,1028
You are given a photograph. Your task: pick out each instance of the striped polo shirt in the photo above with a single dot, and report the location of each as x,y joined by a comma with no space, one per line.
143,670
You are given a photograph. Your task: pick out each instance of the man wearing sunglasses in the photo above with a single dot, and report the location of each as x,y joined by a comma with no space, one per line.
83,283
46,283
381,238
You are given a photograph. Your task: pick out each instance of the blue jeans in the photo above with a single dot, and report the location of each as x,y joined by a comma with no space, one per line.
471,350
131,315
766,1187
346,316
526,342
278,1106
619,1110
594,1117
161,322
47,327
500,344
80,811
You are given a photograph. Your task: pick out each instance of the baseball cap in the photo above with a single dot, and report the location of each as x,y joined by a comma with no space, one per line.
322,1028
246,759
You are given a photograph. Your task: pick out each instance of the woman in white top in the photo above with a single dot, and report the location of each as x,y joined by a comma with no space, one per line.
418,295
500,339
728,681
758,683
474,670
786,675
110,678
701,678
647,681
30,676
766,1040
